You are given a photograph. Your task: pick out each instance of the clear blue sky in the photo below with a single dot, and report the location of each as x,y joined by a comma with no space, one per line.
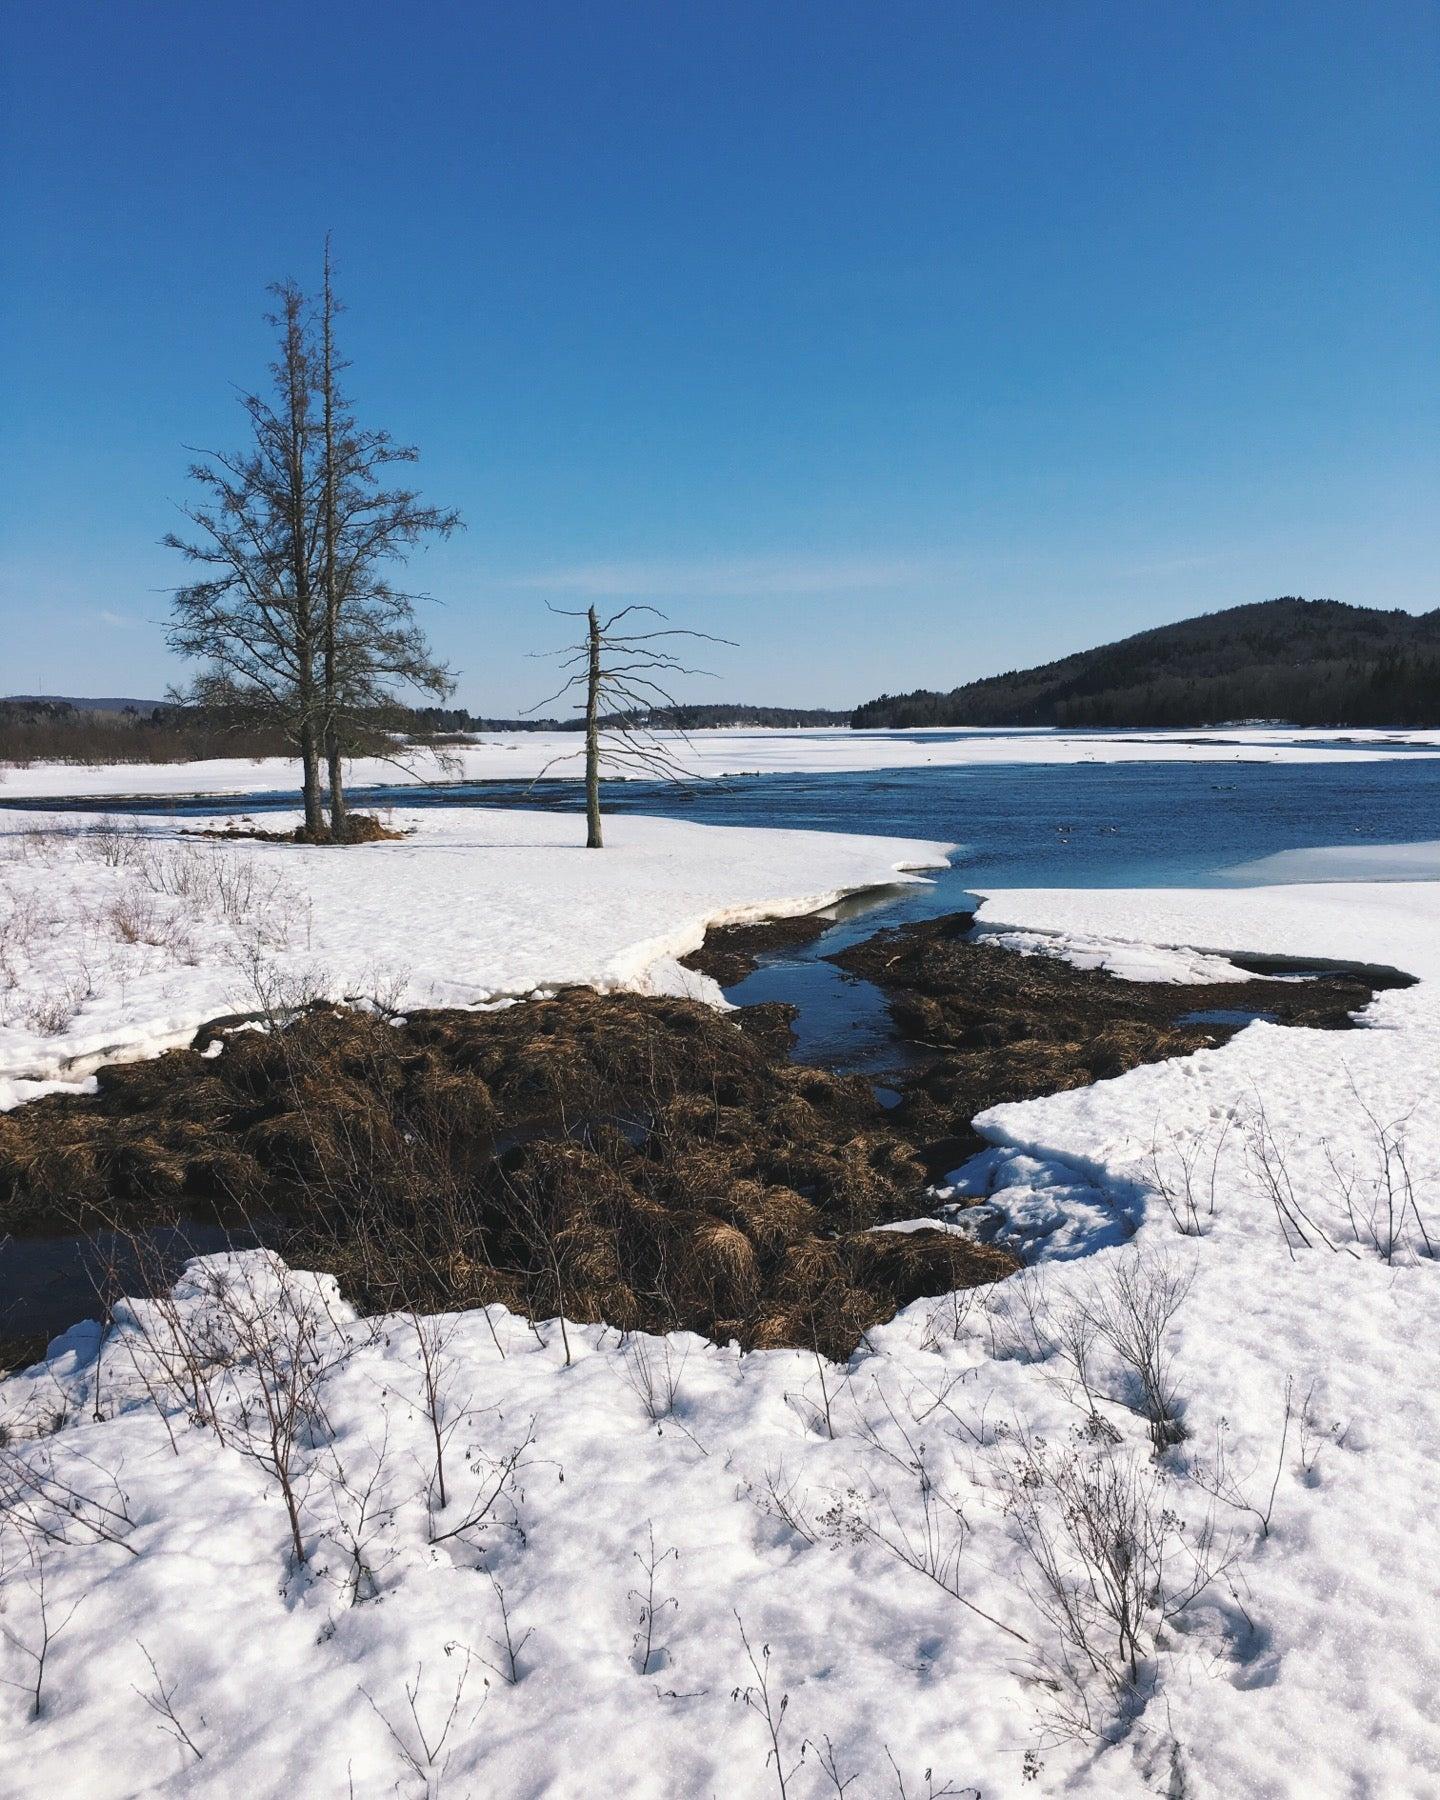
900,342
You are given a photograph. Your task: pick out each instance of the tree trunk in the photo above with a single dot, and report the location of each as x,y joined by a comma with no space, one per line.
593,839
296,375
339,807
329,662
315,828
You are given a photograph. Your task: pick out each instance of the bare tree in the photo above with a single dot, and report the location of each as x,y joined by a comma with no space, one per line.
623,678
251,616
371,642
293,618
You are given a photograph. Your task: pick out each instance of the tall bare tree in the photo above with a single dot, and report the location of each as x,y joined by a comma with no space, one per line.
295,618
251,617
625,701
372,642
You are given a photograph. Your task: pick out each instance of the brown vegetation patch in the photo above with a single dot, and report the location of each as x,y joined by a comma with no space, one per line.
648,1162
1002,1025
731,952
360,828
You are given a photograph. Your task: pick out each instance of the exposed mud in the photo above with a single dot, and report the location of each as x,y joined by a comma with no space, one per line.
1000,1025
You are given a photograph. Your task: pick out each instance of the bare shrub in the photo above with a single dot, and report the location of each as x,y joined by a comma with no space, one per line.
828,1761
53,1012
932,1790
364,1513
38,1639
653,1371
22,923
651,1561
162,1703
760,1698
494,1501
919,1520
1111,1564
47,1506
1376,1202
1183,1181
178,1357
1269,1163
1026,1326
421,1743
134,918
288,1350
777,1495
1132,1313
1218,1474
278,994
1381,1204
948,1321
432,1338
251,1350
831,1386
112,842
215,880
507,1646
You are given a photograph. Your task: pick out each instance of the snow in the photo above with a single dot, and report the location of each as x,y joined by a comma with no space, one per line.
1344,862
528,755
127,956
1304,1377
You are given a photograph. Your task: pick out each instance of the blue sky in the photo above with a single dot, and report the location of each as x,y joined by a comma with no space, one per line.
899,342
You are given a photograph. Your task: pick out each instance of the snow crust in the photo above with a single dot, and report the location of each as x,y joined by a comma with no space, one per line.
127,956
1344,862
526,755
866,1527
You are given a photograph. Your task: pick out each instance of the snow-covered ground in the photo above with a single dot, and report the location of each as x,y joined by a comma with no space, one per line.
910,1553
120,939
525,755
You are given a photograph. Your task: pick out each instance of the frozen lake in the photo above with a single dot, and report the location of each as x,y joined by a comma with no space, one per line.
1024,824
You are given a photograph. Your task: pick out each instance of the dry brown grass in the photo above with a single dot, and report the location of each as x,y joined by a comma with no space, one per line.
1003,1026
646,1162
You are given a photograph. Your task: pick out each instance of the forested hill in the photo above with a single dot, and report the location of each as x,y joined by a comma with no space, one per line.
683,716
1308,662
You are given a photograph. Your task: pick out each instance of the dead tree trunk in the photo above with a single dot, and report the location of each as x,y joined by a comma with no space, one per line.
621,677
593,838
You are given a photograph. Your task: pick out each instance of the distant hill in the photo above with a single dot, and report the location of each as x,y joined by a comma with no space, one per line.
80,705
1307,662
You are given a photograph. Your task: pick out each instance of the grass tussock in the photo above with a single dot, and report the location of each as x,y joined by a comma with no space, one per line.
360,828
647,1162
1001,1025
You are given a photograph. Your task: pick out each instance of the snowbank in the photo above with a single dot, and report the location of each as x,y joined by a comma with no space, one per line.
122,941
524,755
